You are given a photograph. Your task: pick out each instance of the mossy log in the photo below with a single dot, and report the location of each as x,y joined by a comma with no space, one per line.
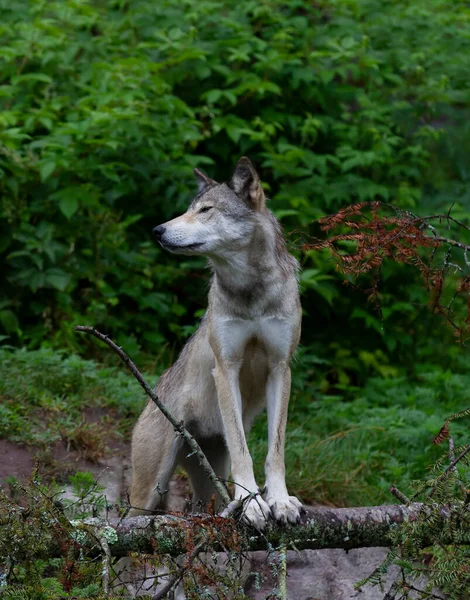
320,528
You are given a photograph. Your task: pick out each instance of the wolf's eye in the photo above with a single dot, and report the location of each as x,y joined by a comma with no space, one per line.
205,209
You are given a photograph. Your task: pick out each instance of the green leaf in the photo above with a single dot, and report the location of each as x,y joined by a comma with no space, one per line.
40,77
46,169
9,321
212,96
286,212
72,197
68,206
57,279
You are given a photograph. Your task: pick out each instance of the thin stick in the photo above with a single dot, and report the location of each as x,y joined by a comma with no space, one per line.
230,509
106,562
454,462
175,579
452,452
283,572
449,468
179,426
427,594
400,495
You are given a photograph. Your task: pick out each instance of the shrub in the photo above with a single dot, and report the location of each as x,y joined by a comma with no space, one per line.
107,106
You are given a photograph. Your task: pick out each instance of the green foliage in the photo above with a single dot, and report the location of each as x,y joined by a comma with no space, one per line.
41,525
45,395
348,448
27,532
432,548
87,499
342,448
107,106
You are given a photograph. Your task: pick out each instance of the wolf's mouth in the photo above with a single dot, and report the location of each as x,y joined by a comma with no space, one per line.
168,246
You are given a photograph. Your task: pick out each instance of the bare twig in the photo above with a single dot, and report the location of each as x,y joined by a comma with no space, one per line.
424,593
175,579
230,506
179,426
282,572
452,452
106,562
226,513
451,467
400,495
230,509
392,592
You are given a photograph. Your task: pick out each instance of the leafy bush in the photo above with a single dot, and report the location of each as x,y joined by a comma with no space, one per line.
107,106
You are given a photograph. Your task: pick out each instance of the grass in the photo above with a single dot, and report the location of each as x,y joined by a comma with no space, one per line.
47,397
344,448
347,449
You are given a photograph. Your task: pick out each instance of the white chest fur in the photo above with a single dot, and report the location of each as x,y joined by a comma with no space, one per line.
232,335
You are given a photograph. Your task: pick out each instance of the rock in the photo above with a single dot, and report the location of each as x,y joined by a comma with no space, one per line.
320,574
324,575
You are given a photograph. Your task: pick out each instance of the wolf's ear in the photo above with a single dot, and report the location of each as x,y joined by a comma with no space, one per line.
246,184
203,181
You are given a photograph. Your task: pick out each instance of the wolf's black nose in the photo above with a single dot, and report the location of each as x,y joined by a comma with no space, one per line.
158,231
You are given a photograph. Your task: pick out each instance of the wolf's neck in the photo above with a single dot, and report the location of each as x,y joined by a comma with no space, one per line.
239,267
258,270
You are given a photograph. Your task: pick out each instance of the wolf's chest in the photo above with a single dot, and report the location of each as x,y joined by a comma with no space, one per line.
235,340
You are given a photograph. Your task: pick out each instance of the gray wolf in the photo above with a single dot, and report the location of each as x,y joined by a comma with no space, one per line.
237,362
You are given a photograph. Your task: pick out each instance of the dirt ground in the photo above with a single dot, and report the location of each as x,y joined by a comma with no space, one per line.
112,470
15,461
90,450
19,462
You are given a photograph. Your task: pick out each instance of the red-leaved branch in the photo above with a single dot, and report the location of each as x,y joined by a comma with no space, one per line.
362,236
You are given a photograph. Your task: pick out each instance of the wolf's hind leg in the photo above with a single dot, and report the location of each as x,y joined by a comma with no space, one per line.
154,451
202,487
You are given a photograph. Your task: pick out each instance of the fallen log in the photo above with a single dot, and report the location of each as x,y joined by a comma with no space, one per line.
321,528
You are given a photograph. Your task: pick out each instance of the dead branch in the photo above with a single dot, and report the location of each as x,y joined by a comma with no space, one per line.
400,495
106,562
175,579
282,577
192,443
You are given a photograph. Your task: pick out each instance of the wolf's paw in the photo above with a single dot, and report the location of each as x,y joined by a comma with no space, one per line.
285,509
256,512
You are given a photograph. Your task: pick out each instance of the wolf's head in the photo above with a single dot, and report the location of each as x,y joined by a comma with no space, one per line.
221,218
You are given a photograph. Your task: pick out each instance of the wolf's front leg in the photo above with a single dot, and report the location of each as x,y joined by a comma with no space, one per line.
226,376
285,508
